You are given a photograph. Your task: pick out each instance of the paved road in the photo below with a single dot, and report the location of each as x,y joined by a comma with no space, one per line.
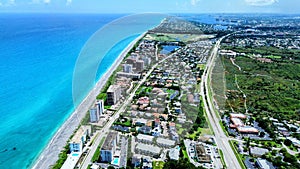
221,138
105,129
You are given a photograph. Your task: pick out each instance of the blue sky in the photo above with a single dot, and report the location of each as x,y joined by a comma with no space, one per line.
163,6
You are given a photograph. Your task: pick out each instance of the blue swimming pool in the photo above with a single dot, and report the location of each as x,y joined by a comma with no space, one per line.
115,161
75,155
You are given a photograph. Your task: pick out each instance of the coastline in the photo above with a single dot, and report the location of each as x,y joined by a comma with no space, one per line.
49,155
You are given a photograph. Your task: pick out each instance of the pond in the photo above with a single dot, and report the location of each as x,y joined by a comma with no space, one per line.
166,49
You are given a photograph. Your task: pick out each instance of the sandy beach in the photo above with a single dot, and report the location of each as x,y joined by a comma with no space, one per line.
50,154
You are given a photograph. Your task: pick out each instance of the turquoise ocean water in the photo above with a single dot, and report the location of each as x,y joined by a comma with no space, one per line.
38,53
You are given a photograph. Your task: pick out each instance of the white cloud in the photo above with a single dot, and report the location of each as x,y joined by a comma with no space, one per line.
194,2
260,2
47,1
69,2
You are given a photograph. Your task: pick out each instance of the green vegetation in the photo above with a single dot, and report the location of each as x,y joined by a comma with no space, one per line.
180,165
185,155
222,158
86,119
218,83
271,88
63,155
277,54
200,120
158,164
168,37
268,144
96,156
102,96
288,160
223,128
143,91
183,162
195,134
123,122
189,110
237,155
273,57
107,107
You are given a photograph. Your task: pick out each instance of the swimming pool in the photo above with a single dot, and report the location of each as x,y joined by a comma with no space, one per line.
75,155
115,161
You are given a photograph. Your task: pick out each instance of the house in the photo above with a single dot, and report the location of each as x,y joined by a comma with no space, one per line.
238,115
147,163
144,129
257,151
236,122
165,142
144,138
264,164
121,128
247,130
156,131
147,149
136,161
140,122
174,153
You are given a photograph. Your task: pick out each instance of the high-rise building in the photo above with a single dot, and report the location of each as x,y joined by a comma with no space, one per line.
147,61
109,147
127,68
139,65
94,115
113,94
100,107
77,141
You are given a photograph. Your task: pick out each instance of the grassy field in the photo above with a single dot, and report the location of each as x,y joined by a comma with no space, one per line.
222,158
167,37
185,155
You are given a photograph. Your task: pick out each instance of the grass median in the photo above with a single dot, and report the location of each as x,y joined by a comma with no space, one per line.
240,160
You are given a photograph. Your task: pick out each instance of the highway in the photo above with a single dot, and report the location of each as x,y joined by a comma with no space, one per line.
221,139
105,129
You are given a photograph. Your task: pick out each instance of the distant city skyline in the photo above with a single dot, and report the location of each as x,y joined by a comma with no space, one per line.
161,6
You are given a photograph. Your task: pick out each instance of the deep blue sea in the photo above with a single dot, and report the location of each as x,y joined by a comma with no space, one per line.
38,53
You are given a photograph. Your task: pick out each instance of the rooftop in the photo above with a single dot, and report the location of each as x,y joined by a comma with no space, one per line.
149,148
112,88
247,129
174,153
108,144
79,133
165,141
258,151
237,115
262,163
71,160
237,122
144,137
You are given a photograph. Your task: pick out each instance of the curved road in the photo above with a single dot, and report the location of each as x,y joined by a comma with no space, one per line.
221,139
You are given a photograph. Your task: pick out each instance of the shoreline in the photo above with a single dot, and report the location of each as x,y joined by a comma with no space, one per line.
49,154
